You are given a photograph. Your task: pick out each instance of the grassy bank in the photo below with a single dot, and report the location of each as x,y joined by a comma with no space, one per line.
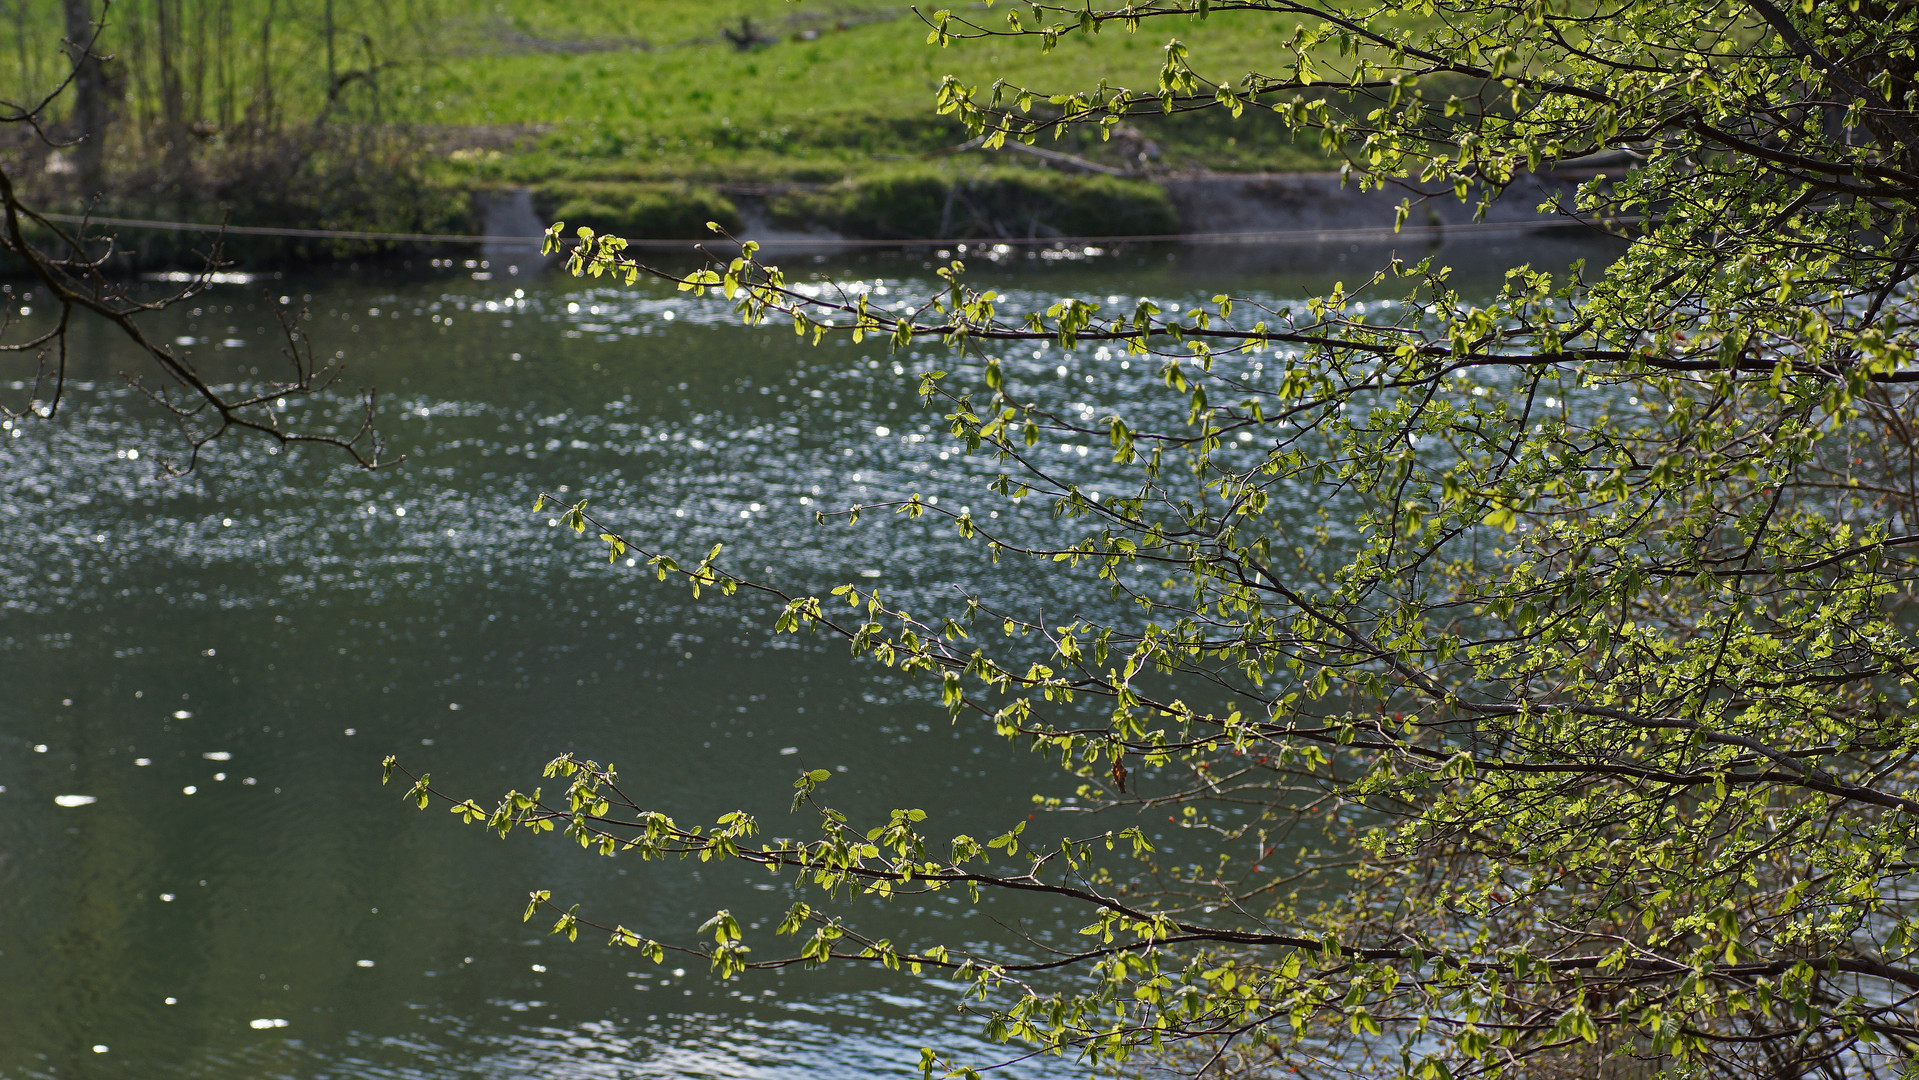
908,203
647,117
852,97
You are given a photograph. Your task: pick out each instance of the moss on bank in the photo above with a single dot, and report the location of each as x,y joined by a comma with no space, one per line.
920,204
675,211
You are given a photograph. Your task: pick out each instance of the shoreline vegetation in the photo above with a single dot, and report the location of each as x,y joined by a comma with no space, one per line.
405,117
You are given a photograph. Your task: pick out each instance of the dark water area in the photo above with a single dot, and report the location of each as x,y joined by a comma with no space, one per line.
200,874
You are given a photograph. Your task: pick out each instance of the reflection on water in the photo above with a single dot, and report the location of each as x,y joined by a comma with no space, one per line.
199,873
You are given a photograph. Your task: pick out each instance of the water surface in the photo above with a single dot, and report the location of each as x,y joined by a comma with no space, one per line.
220,661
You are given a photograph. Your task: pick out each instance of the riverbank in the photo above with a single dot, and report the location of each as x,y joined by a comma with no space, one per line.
1024,207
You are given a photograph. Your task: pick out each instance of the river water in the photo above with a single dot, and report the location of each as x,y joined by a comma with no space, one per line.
200,874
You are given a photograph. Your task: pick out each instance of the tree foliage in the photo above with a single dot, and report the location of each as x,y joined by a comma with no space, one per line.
1603,649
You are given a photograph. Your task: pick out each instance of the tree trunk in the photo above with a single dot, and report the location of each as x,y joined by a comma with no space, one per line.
332,69
167,32
262,107
227,62
20,43
88,122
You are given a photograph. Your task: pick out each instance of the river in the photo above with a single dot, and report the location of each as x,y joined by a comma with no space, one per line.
200,874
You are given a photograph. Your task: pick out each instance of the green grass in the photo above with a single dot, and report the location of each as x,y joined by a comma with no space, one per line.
846,102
